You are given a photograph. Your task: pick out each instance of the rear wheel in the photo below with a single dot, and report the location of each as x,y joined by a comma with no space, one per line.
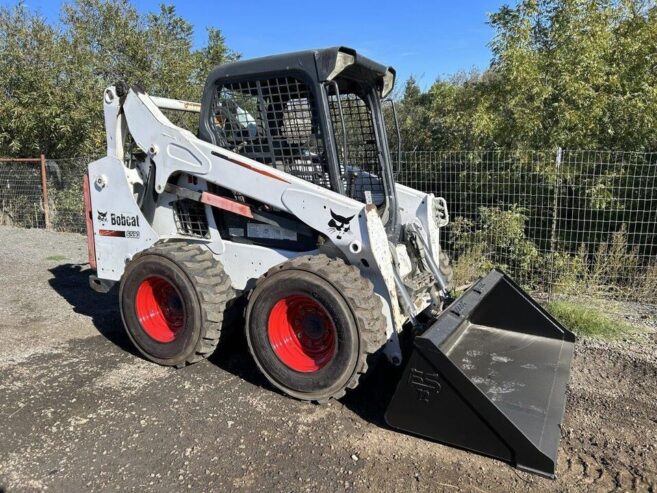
311,324
172,299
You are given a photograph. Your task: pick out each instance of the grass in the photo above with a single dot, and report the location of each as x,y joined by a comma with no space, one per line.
588,321
56,258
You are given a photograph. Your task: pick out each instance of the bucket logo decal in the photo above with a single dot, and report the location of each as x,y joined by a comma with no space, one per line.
102,216
426,384
339,224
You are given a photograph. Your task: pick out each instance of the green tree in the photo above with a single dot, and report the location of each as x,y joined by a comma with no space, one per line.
414,117
36,114
570,73
52,77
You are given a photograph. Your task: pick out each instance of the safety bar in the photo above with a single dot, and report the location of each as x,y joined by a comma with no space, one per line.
176,104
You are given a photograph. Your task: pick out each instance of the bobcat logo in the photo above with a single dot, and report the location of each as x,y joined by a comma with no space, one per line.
102,216
340,225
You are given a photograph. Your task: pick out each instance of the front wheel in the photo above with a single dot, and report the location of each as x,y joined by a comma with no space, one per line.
172,300
311,324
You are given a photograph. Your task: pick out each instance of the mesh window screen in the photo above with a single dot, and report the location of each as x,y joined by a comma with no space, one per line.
190,218
358,153
273,121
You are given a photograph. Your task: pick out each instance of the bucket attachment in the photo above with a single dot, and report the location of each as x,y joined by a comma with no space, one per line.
489,375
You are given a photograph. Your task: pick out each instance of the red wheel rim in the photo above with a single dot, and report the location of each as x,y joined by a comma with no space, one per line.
301,333
160,309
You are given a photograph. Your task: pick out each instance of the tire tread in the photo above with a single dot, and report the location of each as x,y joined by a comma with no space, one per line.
358,291
212,285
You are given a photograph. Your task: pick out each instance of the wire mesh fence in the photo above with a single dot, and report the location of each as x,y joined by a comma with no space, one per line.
558,221
21,194
562,221
65,193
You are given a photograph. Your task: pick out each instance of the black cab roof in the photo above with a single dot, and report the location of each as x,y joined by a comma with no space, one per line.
322,65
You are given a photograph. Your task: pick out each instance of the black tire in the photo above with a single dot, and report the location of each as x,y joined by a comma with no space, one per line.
200,288
350,304
445,266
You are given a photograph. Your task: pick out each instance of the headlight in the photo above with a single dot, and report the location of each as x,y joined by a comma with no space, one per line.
440,213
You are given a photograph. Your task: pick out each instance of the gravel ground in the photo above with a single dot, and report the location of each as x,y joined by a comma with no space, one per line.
80,411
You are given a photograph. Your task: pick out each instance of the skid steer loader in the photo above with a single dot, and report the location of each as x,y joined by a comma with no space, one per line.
284,201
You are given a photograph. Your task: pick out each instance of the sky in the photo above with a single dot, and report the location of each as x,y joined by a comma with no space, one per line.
427,39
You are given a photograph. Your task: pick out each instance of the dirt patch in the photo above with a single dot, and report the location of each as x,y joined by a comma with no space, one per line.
81,411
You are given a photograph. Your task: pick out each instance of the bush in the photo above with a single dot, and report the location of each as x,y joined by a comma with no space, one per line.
471,264
496,239
614,269
614,263
645,288
67,208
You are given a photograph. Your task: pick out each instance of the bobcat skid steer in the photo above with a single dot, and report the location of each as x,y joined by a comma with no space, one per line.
284,202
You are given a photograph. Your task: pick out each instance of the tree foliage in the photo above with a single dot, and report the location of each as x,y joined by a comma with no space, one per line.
52,76
570,73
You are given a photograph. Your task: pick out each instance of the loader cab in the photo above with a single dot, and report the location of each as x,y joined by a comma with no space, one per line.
314,114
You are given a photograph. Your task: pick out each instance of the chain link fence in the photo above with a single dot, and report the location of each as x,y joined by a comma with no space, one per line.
558,221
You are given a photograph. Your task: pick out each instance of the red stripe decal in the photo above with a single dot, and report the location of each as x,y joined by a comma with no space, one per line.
111,232
226,204
88,215
252,168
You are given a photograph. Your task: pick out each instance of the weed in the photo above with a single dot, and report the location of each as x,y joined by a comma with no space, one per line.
584,320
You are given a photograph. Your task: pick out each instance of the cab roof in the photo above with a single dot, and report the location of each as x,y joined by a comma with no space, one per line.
321,65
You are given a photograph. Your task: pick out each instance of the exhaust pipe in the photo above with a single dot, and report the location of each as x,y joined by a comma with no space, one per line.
489,375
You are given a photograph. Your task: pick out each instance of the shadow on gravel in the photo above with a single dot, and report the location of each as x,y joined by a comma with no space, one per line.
369,400
232,355
71,282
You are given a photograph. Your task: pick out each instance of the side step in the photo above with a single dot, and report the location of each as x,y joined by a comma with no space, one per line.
100,285
489,375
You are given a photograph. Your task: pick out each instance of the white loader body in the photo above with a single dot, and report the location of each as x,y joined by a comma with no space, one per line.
121,228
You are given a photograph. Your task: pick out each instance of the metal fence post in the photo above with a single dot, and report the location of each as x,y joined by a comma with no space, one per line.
555,218
44,192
